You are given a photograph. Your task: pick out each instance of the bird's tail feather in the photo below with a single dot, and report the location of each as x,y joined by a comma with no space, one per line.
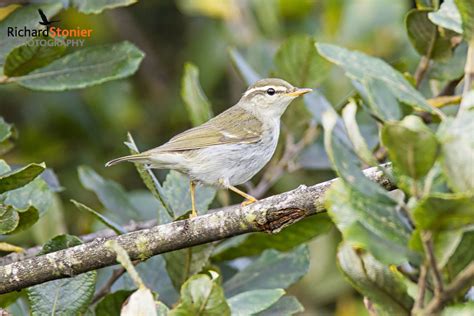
140,158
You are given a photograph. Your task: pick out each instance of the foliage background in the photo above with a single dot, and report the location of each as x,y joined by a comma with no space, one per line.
88,126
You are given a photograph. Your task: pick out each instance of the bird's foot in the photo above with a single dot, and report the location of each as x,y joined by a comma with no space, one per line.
249,201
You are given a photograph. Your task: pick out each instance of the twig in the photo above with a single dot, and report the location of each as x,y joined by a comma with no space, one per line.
421,70
420,299
463,281
292,150
5,3
268,215
450,88
469,69
427,240
468,80
369,306
105,289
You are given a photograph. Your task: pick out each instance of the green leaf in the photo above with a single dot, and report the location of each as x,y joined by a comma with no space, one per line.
380,100
457,150
9,219
411,145
85,67
112,303
6,133
426,4
197,104
30,56
245,70
361,68
285,306
272,270
317,105
177,191
447,16
27,219
362,210
59,242
66,296
153,271
370,223
466,9
290,237
119,230
460,309
110,194
184,263
451,68
375,281
346,163
462,256
425,36
299,63
20,177
360,146
151,182
252,302
201,295
9,298
441,211
36,193
97,6
26,16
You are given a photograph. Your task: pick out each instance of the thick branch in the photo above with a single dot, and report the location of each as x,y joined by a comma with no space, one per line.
268,215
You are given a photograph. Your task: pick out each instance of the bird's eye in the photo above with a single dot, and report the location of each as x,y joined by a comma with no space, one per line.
270,91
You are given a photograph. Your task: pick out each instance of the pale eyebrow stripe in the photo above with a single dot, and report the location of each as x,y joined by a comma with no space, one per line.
264,88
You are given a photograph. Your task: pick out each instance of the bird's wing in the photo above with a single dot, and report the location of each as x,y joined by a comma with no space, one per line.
234,126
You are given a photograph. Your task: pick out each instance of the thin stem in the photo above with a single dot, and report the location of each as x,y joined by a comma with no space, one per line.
421,70
469,69
463,281
420,298
427,240
105,289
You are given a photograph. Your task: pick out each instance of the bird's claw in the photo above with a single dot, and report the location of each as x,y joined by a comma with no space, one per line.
248,202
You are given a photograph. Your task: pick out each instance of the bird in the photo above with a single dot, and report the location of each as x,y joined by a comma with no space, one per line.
230,148
44,20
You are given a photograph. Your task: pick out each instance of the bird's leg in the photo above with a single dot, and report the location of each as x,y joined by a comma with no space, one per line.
249,199
193,202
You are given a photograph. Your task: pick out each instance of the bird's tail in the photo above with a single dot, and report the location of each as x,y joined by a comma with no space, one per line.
140,158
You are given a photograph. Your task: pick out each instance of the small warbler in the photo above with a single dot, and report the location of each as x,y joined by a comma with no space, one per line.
230,148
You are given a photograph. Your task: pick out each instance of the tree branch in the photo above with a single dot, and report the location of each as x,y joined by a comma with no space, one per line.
268,215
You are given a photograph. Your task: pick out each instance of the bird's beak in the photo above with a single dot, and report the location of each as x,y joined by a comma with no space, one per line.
298,92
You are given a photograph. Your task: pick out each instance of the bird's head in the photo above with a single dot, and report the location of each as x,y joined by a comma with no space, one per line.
270,97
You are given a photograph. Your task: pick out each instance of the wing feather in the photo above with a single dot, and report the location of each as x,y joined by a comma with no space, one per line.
234,126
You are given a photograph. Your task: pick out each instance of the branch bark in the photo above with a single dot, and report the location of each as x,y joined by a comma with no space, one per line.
268,215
